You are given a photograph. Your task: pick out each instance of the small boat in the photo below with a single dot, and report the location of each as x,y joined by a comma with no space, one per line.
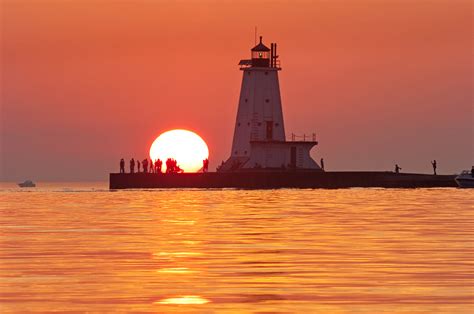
465,179
27,184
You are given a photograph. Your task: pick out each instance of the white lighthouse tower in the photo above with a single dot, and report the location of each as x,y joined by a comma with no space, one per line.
259,135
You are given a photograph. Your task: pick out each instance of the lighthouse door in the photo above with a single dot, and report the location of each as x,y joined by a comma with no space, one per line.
269,130
293,157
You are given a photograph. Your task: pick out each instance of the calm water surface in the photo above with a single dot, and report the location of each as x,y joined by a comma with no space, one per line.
78,247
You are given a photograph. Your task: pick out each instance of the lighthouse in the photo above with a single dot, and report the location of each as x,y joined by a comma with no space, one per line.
259,141
261,156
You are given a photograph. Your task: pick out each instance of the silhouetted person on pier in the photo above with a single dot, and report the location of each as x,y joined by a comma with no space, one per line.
205,165
172,166
433,163
145,165
138,166
168,166
151,166
158,165
322,163
397,168
122,166
132,165
472,171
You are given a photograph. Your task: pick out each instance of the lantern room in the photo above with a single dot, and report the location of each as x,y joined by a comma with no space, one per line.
261,55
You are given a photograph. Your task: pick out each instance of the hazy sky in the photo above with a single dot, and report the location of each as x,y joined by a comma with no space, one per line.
86,82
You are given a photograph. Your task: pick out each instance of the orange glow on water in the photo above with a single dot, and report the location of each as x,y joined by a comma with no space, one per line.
326,251
188,148
185,299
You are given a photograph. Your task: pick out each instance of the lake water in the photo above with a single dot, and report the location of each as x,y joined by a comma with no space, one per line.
81,247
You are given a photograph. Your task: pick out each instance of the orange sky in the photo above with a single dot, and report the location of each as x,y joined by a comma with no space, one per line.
87,82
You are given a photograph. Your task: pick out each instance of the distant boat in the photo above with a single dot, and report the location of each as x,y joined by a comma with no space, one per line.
27,184
465,179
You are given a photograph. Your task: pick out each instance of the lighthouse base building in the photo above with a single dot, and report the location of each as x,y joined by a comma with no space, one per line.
259,141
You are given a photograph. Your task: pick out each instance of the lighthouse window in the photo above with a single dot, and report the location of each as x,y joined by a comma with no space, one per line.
267,100
235,152
246,99
277,124
238,124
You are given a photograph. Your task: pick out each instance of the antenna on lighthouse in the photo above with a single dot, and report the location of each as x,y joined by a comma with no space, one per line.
255,41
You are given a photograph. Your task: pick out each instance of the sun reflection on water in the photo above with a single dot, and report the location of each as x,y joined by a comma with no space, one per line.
185,299
177,254
176,270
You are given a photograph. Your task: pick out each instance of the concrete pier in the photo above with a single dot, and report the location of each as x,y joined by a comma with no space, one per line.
279,179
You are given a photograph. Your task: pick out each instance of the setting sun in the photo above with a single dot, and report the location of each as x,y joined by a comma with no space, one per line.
186,147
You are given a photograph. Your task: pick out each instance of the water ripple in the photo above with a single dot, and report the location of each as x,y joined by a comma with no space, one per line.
82,248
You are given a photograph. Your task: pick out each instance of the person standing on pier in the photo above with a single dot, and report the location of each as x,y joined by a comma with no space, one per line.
145,165
205,165
138,165
433,163
132,166
397,168
322,164
159,164
122,166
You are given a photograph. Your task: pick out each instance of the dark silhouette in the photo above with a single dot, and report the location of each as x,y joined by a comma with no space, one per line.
158,165
397,168
122,166
433,163
145,165
172,166
151,166
168,165
205,165
132,166
472,171
322,163
138,166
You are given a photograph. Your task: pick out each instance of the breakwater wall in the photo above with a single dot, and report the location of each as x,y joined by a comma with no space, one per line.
279,179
